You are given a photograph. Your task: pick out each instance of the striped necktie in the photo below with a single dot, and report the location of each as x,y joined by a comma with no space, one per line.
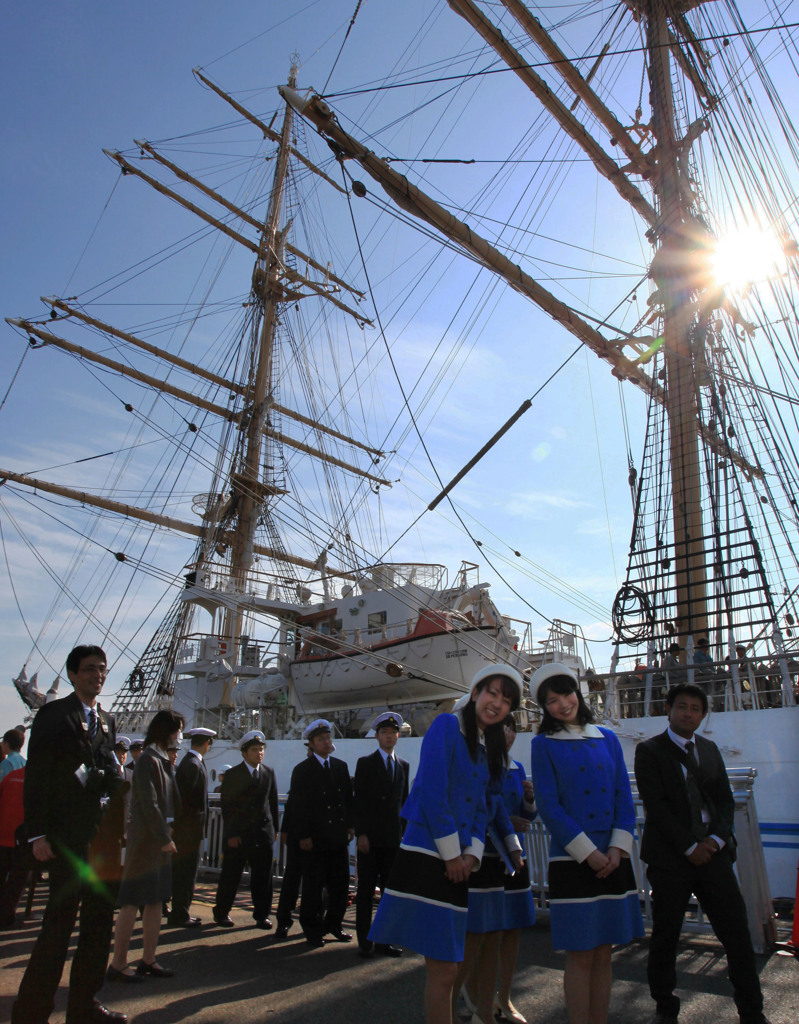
92,723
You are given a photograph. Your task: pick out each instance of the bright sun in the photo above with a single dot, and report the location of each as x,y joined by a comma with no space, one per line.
747,255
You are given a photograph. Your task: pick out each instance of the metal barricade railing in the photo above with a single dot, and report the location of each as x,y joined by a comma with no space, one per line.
750,864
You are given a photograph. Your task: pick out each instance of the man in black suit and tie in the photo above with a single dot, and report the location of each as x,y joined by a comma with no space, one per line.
249,821
380,790
191,778
689,847
70,776
322,823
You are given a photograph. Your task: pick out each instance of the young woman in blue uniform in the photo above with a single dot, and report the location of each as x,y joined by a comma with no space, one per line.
424,905
500,903
583,795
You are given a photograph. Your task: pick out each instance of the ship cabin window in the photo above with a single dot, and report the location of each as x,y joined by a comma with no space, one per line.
377,620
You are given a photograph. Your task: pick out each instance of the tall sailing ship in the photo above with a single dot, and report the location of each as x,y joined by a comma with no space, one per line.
292,604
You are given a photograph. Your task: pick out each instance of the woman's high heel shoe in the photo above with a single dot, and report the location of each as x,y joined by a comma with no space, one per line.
467,1001
508,1011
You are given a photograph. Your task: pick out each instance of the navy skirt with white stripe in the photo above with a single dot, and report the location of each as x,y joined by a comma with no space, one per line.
421,909
499,901
586,911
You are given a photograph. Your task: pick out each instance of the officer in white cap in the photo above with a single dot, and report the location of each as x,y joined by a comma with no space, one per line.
121,748
380,790
191,778
249,823
322,823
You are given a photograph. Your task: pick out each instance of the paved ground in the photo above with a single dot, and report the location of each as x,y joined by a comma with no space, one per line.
241,975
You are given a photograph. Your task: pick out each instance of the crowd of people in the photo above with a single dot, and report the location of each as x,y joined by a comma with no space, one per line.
446,853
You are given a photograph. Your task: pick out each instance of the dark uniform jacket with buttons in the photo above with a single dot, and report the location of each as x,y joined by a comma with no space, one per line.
661,782
582,791
191,778
378,799
249,807
321,803
57,804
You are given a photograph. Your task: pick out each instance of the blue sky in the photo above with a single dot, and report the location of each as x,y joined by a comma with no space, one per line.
80,77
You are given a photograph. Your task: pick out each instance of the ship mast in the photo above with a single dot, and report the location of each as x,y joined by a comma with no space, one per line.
675,286
248,488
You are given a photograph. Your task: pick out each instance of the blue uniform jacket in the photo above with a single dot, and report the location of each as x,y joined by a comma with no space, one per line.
446,810
511,796
582,792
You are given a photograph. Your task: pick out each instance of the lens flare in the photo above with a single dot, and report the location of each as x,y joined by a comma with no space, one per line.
747,255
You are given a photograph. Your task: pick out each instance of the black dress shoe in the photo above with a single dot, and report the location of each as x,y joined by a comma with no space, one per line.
224,922
186,922
281,932
381,947
315,940
263,923
100,1014
155,970
367,952
341,936
126,979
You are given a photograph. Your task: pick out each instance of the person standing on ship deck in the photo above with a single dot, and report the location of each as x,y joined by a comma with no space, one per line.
380,790
147,876
689,847
322,822
583,795
424,906
507,909
249,821
70,770
191,778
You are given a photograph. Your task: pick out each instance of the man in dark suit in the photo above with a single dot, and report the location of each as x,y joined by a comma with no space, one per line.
380,790
191,778
249,821
322,823
689,847
71,773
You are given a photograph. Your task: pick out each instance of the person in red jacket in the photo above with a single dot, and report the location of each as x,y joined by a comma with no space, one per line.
14,859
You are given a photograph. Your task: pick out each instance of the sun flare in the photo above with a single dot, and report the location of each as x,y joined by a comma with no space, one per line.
745,256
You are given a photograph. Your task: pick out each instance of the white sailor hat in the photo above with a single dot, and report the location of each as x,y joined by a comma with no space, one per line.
136,741
317,726
223,769
253,736
387,718
123,741
550,671
486,672
200,731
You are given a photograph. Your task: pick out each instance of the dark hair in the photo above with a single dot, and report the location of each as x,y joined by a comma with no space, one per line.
494,735
197,741
14,738
687,690
162,726
77,654
560,684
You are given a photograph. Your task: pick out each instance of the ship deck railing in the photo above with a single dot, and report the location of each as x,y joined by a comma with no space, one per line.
750,863
745,684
